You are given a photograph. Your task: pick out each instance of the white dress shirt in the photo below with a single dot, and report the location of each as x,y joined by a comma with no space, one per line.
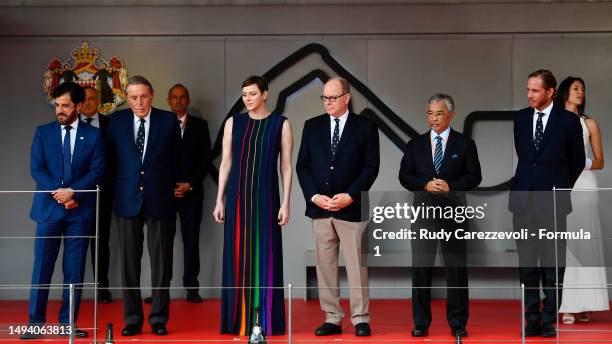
73,131
432,137
341,124
544,118
95,119
182,123
147,124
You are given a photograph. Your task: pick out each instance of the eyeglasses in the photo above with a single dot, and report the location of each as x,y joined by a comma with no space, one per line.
437,114
332,99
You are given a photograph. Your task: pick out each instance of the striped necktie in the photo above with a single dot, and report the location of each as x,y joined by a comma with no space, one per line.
438,154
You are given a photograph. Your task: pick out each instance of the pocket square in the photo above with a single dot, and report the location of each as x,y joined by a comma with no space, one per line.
454,156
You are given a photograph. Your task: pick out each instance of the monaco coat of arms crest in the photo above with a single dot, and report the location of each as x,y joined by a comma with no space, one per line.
87,68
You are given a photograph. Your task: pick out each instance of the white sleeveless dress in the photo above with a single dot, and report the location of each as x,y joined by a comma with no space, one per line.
584,284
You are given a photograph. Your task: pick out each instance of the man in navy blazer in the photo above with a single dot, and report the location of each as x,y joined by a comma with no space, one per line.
67,156
142,149
439,166
548,143
339,159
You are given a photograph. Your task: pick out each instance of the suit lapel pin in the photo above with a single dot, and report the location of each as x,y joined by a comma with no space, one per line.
80,138
454,156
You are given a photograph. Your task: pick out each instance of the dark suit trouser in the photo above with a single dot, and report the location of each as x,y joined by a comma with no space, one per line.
160,239
537,263
61,223
190,215
423,257
104,227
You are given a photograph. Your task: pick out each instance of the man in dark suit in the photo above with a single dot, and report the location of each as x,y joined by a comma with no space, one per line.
339,159
89,114
439,166
194,162
143,147
550,150
67,155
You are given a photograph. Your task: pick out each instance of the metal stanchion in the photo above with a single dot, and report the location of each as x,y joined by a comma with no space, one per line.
71,313
95,290
557,305
289,313
522,313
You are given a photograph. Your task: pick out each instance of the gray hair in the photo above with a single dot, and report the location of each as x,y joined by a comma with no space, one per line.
139,80
441,97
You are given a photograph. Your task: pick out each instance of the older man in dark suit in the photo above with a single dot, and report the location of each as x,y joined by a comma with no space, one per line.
550,149
339,159
143,148
439,166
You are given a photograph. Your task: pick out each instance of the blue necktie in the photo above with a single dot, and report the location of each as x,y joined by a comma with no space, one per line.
140,139
335,139
539,133
438,154
67,156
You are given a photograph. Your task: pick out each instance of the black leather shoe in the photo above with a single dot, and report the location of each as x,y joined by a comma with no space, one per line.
148,299
194,297
548,330
159,329
363,329
29,335
419,332
104,296
77,333
328,329
459,332
532,330
131,330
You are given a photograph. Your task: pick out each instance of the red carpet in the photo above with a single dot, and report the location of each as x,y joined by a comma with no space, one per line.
490,322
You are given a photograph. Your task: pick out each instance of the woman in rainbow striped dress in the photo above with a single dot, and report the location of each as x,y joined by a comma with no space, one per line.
254,213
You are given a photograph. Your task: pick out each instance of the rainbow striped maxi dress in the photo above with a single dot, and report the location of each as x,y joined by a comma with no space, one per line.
252,249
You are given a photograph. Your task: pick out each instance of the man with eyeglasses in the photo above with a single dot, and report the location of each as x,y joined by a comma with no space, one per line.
439,166
339,159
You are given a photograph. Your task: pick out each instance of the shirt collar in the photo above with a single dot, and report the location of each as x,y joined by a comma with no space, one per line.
146,118
341,118
183,118
545,111
74,124
444,134
85,117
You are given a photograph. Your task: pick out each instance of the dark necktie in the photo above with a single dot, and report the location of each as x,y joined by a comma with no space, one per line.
89,120
140,139
539,133
67,156
438,154
335,139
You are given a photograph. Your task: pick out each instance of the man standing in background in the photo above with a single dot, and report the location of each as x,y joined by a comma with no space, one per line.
193,166
89,114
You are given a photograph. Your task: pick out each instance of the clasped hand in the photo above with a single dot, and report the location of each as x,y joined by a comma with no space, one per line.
338,202
64,196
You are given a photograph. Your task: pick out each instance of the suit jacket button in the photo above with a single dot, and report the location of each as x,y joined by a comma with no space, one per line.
141,172
331,167
534,164
141,188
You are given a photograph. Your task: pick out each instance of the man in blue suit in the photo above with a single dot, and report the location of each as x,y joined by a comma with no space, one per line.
550,150
339,159
439,166
142,151
67,156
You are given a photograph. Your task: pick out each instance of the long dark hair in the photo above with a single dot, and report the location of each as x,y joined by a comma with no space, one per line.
563,93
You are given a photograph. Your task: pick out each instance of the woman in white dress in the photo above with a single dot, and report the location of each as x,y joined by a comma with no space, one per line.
584,283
